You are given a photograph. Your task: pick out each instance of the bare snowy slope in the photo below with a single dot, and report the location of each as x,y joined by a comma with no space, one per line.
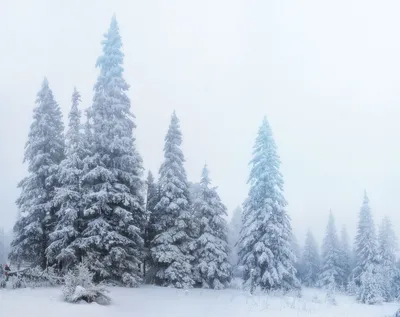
154,301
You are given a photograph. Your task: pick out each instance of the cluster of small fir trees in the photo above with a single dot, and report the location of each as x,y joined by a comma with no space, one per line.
84,197
85,200
370,271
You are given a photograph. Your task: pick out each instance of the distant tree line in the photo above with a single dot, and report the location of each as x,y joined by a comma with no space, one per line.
370,270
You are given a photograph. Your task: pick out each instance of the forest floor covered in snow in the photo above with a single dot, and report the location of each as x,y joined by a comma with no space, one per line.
150,301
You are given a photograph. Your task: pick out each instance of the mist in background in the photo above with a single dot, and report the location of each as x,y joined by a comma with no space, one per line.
325,74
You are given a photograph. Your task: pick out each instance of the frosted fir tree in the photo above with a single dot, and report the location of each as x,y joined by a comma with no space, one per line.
44,151
367,273
233,237
396,282
297,255
88,140
63,249
194,190
387,248
171,246
152,198
265,249
331,270
365,242
370,290
211,265
310,262
345,258
113,189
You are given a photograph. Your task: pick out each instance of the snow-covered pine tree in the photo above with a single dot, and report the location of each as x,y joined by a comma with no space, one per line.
63,248
265,250
370,291
345,258
152,198
88,133
194,190
112,185
194,193
396,281
330,269
233,237
44,151
211,266
365,241
367,271
171,246
297,255
310,261
387,249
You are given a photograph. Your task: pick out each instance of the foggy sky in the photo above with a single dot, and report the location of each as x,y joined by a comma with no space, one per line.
326,74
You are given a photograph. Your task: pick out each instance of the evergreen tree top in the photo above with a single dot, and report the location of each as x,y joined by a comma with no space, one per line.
205,179
366,220
173,164
46,130
309,235
365,243
265,174
387,237
344,240
310,245
111,116
331,238
73,135
112,57
150,178
173,137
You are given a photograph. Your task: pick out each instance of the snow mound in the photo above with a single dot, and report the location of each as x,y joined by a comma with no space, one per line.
79,286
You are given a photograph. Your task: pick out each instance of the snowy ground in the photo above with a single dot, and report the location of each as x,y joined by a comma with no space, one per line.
153,302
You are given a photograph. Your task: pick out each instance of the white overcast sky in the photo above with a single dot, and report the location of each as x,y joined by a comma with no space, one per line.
326,74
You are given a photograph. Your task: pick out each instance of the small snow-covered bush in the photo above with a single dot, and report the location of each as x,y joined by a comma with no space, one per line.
352,288
34,277
2,282
236,283
315,299
330,297
79,286
370,291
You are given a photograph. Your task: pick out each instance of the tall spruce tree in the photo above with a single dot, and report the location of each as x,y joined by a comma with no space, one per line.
211,264
152,198
310,261
345,257
365,241
88,140
331,271
387,248
171,246
44,151
297,255
63,248
233,237
367,271
265,250
113,199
